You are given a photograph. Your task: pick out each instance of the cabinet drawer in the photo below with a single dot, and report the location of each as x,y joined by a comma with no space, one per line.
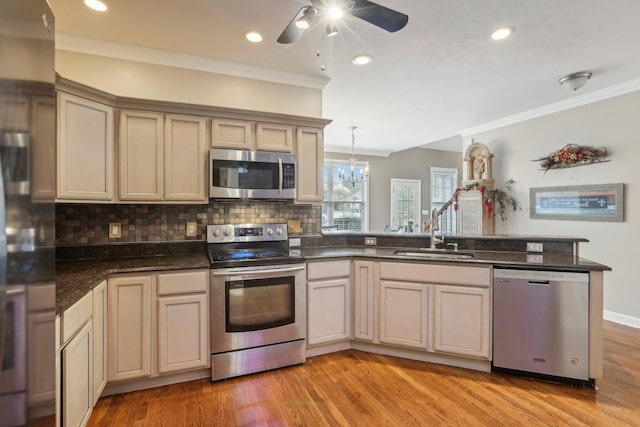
75,316
436,273
328,269
182,283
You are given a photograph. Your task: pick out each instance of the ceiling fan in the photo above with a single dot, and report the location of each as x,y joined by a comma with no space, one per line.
380,16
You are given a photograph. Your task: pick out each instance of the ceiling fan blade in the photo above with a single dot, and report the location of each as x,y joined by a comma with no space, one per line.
292,33
380,16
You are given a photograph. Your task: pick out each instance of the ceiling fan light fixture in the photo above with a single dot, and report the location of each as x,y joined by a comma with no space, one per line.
575,81
96,5
253,36
502,33
332,29
362,59
305,20
335,12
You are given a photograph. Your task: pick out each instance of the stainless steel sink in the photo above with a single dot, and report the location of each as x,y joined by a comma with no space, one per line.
435,253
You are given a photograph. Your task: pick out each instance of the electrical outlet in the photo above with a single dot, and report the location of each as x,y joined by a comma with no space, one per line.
115,230
534,247
370,241
294,242
536,259
192,229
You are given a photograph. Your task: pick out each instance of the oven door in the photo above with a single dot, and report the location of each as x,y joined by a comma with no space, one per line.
256,306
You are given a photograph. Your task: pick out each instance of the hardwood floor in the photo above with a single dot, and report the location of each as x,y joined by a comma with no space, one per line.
353,388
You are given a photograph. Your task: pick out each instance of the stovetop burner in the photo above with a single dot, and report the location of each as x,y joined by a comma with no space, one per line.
249,245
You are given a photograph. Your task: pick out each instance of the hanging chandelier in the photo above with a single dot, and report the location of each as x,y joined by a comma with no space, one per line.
351,178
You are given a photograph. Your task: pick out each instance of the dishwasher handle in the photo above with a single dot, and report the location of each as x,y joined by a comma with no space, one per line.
539,283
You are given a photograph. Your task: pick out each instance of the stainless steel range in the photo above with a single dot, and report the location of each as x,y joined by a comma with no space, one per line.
258,300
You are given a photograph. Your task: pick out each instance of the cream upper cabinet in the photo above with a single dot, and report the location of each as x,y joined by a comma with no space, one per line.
274,137
309,168
364,300
85,150
329,301
185,158
234,134
462,320
162,158
141,156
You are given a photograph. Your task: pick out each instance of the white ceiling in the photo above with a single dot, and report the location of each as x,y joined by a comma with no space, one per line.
439,75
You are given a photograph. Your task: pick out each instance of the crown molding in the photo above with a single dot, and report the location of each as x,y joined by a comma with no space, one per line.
90,46
588,98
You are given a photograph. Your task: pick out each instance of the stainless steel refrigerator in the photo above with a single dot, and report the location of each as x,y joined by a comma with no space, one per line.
27,213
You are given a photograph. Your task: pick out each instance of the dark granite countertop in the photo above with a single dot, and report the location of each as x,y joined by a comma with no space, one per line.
75,278
496,258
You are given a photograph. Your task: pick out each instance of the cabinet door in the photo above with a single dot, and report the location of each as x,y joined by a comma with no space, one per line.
462,320
329,314
77,378
310,160
235,134
141,156
185,154
274,137
183,325
364,300
85,150
403,314
43,141
129,327
40,357
99,339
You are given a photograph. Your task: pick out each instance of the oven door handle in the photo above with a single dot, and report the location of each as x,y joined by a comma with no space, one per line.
245,272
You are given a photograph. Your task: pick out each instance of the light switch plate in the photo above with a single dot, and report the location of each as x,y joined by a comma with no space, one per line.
115,230
534,247
192,229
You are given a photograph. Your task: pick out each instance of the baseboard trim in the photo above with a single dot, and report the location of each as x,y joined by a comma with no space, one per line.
623,319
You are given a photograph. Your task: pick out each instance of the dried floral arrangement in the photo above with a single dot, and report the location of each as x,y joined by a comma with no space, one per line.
573,155
503,202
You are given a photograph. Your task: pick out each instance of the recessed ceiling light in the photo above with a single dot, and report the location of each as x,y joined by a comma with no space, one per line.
502,33
362,59
254,36
96,5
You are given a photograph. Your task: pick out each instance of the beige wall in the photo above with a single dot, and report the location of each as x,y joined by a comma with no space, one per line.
163,83
611,123
414,163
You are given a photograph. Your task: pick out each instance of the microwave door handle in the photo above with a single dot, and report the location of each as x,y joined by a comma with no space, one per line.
280,175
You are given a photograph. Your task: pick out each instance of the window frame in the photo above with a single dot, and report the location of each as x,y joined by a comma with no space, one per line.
454,172
346,164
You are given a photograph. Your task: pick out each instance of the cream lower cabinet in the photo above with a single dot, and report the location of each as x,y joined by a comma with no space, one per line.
77,373
364,300
162,158
328,301
461,320
158,323
129,327
85,150
309,168
76,337
99,339
404,310
182,321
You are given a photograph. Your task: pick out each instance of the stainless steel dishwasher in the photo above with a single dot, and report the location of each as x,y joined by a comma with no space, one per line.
541,324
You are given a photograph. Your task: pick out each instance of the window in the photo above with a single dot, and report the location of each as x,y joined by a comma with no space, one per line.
444,182
405,205
345,206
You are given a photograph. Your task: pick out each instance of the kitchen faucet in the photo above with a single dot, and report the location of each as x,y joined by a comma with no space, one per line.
434,227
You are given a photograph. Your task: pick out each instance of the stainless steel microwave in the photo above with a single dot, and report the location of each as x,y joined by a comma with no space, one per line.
241,174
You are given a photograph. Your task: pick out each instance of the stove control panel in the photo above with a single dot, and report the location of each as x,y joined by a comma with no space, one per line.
230,233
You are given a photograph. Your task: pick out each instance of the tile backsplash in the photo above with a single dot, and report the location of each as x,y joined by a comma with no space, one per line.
82,224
